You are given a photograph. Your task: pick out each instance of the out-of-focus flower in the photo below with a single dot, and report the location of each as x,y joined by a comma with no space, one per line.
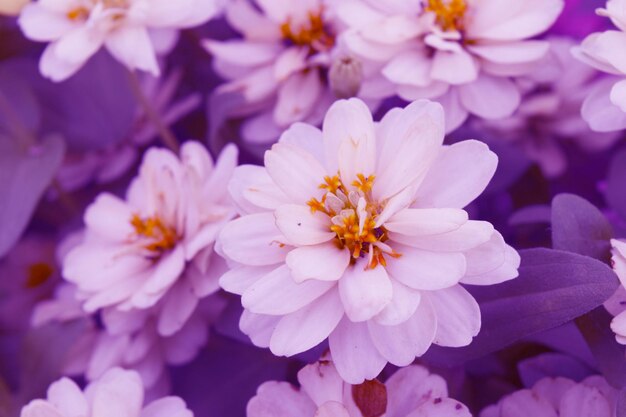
616,305
460,52
158,243
77,29
605,107
410,392
357,233
552,397
549,114
103,166
12,7
118,392
289,66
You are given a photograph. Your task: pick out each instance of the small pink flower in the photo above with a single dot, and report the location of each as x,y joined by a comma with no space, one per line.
77,29
605,107
357,233
117,393
549,114
460,52
410,392
552,397
156,246
289,66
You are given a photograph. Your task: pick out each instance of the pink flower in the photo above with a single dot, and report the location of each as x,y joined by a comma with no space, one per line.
549,115
616,305
410,392
289,66
460,52
77,29
357,233
157,244
551,397
118,393
605,107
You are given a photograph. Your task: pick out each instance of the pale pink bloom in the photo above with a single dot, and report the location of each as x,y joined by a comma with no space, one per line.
80,169
12,7
605,108
357,233
410,392
461,52
549,115
289,67
138,339
117,393
157,244
77,29
559,397
616,305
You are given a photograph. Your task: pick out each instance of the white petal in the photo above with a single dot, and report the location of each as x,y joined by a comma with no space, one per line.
307,137
525,403
353,352
306,328
40,24
296,97
409,147
321,382
295,171
460,173
408,387
40,408
66,397
364,292
466,237
253,240
166,407
237,280
253,190
109,216
426,222
441,407
400,344
423,270
490,97
279,399
132,46
454,67
118,393
258,327
325,262
277,293
402,306
332,409
585,401
243,53
458,316
301,227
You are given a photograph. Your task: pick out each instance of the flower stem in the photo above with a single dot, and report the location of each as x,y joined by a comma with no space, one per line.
167,136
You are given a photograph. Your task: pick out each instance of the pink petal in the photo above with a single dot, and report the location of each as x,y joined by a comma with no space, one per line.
297,97
109,217
400,344
321,382
277,293
245,18
424,270
525,403
584,401
409,387
66,397
301,227
411,67
238,279
295,171
40,24
441,407
455,67
291,61
253,240
180,303
364,292
491,263
353,352
118,393
490,97
258,327
40,408
458,316
511,52
460,173
279,399
332,409
243,53
166,407
468,236
323,262
426,222
402,306
253,190
133,47
306,137
599,112
306,328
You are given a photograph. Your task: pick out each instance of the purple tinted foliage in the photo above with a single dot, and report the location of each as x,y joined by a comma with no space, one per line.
616,178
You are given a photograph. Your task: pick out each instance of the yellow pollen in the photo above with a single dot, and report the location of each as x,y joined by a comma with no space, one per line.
449,13
354,226
314,35
38,274
160,236
79,13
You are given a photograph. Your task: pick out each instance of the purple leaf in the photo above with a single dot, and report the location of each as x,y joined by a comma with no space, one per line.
24,176
620,407
551,365
595,327
615,195
553,288
579,227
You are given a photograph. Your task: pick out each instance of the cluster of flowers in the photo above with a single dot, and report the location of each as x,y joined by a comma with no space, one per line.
336,214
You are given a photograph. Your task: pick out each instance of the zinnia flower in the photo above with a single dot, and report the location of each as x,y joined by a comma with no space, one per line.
77,29
357,233
118,393
551,397
157,244
461,52
605,107
289,66
409,392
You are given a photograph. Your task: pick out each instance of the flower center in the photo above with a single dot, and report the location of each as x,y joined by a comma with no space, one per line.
449,13
38,274
353,219
313,34
158,236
